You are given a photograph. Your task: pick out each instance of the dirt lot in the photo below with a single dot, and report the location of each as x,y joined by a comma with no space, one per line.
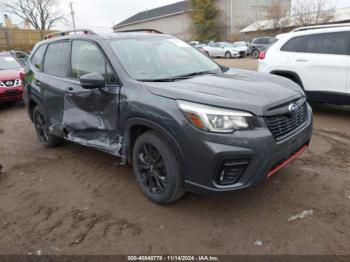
75,200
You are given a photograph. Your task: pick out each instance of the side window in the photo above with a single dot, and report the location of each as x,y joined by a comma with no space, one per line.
88,58
37,58
296,44
57,59
330,43
262,41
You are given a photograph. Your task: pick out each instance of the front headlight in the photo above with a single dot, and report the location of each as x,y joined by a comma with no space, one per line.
214,119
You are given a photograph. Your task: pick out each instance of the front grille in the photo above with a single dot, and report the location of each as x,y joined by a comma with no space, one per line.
283,125
10,83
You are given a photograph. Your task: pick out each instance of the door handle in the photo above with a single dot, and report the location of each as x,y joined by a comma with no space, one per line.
37,82
302,60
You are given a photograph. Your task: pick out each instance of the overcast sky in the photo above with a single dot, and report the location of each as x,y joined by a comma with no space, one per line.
101,15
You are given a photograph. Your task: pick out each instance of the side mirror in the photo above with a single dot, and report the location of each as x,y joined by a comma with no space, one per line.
92,81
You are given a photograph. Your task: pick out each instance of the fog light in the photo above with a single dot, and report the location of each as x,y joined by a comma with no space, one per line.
230,171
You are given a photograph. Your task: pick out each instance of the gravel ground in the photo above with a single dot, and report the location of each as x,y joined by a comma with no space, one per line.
75,200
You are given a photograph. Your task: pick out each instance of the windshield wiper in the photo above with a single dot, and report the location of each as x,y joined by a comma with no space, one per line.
176,78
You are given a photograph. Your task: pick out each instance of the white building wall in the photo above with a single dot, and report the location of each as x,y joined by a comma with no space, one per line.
244,12
178,25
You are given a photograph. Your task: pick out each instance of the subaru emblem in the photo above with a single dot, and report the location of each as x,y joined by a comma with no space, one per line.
293,108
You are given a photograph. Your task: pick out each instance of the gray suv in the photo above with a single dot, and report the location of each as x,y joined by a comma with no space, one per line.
182,121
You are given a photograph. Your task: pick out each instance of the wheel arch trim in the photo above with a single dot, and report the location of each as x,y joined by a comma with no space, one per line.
153,126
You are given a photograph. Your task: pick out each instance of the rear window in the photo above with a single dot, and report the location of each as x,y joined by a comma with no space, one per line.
330,43
37,58
296,44
56,60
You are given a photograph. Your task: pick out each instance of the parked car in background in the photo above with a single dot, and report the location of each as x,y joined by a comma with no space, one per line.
193,43
317,58
183,121
200,47
243,47
21,56
11,74
221,49
262,43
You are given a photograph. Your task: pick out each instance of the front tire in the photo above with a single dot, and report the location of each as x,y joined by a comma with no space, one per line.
42,131
157,170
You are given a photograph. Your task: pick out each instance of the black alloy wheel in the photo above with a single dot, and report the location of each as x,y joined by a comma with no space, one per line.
157,168
42,130
151,167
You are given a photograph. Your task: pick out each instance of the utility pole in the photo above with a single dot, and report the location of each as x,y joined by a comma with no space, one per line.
72,14
231,10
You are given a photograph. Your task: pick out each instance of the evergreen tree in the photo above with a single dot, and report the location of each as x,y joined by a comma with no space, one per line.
204,16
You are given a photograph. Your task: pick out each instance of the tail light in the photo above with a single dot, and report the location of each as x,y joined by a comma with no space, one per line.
262,55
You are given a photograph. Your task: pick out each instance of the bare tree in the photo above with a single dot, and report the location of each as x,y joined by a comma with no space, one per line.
309,12
41,14
277,14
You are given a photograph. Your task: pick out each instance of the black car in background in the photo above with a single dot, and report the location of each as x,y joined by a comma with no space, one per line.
261,44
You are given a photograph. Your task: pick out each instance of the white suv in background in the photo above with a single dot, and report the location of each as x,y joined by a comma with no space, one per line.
317,58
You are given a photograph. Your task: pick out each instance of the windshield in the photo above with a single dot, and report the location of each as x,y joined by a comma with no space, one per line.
156,58
8,62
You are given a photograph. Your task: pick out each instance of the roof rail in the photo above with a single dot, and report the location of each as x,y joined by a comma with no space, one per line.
63,33
314,27
153,31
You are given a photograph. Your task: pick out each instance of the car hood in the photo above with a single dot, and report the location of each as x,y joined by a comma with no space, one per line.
10,74
236,89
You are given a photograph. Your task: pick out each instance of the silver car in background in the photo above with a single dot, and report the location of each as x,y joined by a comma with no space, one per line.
221,49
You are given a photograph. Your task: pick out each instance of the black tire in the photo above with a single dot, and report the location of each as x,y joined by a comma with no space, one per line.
228,55
255,54
157,169
41,129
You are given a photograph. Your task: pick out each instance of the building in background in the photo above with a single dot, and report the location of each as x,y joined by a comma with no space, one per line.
174,19
171,19
265,28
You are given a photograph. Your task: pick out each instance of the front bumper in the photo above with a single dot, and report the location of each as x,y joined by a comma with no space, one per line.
264,155
12,94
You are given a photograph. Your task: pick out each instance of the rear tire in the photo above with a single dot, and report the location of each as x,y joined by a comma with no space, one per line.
228,55
42,131
256,54
157,169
